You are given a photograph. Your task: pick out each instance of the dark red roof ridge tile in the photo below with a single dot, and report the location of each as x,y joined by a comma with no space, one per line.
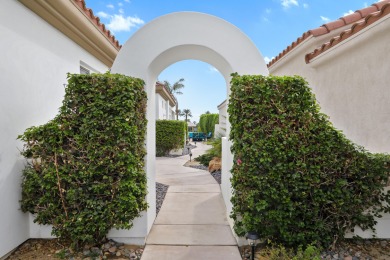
96,20
368,20
328,27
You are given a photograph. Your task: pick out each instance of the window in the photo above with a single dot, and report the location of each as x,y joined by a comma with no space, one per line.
84,70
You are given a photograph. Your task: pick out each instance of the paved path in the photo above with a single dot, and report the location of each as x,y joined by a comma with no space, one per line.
192,221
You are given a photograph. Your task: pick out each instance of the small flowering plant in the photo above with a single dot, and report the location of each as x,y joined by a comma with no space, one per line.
238,161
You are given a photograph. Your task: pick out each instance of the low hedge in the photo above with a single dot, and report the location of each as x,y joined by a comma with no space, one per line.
207,123
86,171
170,135
297,179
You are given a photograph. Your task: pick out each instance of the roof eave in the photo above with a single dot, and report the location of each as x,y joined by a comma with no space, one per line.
69,18
356,29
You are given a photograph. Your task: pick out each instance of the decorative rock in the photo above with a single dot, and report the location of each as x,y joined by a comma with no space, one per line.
112,249
118,253
86,252
215,164
133,256
336,256
358,254
348,258
383,243
96,250
126,252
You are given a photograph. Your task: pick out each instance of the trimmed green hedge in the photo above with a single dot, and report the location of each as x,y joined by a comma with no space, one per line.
86,171
207,123
297,179
170,134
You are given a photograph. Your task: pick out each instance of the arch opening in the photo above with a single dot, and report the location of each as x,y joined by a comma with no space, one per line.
204,88
169,39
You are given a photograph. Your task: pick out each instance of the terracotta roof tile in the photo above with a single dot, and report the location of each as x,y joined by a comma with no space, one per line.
96,20
368,20
368,10
334,25
351,18
328,27
318,31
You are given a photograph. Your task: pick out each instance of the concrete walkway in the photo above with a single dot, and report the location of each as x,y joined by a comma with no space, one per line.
192,221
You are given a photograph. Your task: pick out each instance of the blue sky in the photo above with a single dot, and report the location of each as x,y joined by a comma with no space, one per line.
271,24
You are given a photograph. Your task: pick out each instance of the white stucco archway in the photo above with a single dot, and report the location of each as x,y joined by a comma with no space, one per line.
164,41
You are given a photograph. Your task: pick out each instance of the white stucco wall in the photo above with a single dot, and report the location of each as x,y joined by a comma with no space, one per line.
163,109
35,58
160,107
351,84
220,128
184,35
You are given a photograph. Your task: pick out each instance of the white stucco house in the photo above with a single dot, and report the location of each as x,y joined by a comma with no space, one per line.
166,103
346,63
220,128
40,45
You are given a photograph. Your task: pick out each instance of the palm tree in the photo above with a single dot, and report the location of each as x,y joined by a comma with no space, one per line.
175,89
186,113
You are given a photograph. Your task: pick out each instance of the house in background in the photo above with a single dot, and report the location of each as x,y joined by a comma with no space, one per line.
220,128
192,127
166,103
347,63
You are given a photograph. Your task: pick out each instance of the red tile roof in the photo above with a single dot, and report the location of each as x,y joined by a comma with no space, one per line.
96,20
328,27
368,20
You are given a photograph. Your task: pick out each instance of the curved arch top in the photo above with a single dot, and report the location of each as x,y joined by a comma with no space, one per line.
196,36
169,39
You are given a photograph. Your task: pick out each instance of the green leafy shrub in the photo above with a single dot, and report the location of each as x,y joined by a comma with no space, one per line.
207,123
204,159
86,174
214,151
170,134
296,178
216,147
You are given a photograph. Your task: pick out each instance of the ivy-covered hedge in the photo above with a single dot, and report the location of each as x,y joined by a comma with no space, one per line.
296,179
170,134
207,123
86,174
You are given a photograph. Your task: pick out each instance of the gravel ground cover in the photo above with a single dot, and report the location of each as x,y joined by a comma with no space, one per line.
47,249
161,190
216,174
350,250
